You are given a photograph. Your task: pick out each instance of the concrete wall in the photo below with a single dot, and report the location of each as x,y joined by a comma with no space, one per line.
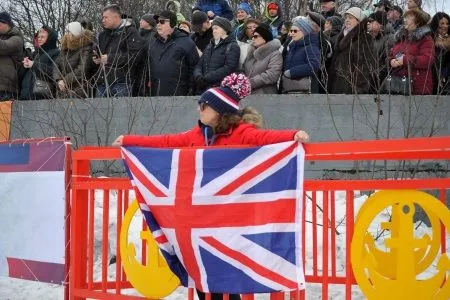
326,118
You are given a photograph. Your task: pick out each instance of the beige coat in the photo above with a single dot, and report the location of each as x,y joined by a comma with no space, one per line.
263,67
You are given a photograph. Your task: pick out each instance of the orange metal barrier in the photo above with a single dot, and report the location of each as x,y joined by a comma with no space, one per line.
83,285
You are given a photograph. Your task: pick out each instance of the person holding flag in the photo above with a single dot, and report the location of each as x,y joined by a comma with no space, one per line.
221,123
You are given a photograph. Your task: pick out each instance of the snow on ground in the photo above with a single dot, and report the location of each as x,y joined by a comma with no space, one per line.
16,289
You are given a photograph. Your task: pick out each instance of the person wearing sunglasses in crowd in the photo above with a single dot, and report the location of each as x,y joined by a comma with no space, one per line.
172,56
301,57
264,60
221,122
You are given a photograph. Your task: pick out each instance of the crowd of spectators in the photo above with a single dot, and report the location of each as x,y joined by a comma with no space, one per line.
387,49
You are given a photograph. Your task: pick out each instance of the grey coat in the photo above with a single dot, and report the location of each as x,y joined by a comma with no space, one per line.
263,67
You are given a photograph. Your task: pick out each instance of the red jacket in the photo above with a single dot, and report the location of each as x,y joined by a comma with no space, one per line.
418,51
243,134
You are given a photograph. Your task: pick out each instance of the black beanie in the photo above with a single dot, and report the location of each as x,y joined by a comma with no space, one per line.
265,32
6,18
167,14
380,17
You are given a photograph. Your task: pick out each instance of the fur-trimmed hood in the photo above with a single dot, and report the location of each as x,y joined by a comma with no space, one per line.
414,36
266,49
70,42
442,42
175,4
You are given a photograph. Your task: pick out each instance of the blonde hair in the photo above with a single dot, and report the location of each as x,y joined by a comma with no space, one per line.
247,115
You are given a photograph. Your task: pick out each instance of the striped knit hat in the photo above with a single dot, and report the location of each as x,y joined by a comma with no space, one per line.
225,99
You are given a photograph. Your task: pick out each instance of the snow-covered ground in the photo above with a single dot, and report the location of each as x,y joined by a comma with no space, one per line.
16,289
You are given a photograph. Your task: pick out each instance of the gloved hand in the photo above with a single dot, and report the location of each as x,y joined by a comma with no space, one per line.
201,83
287,74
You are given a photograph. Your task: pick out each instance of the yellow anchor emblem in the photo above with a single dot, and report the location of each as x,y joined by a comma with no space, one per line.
391,272
153,280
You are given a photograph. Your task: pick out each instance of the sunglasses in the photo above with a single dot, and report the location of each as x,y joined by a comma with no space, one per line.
163,21
294,30
255,36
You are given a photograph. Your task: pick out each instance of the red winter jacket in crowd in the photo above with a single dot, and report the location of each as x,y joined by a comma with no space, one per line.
418,50
243,134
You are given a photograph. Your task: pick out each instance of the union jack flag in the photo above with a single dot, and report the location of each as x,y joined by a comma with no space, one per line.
227,220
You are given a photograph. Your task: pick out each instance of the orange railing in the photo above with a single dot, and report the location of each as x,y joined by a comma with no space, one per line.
83,284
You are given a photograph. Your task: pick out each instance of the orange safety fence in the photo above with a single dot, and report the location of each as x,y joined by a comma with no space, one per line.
113,283
5,120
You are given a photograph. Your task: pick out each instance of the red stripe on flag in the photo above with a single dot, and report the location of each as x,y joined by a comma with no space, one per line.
142,178
183,201
227,215
161,239
254,266
256,171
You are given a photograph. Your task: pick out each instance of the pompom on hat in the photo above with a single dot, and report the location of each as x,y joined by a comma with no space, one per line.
226,98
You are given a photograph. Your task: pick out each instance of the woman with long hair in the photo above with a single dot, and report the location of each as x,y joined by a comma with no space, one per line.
440,28
221,123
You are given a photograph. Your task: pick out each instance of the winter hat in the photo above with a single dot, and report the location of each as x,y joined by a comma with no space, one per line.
264,31
245,7
5,18
222,23
336,22
380,17
226,98
272,5
398,9
169,15
185,23
74,28
198,18
149,19
356,12
303,23
316,18
386,3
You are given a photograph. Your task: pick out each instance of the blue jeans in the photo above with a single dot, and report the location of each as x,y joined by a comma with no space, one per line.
115,90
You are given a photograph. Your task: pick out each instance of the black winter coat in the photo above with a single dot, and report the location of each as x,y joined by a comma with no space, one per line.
172,63
203,39
217,62
350,70
42,69
122,46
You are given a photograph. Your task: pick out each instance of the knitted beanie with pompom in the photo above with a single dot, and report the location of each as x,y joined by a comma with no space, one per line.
225,99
